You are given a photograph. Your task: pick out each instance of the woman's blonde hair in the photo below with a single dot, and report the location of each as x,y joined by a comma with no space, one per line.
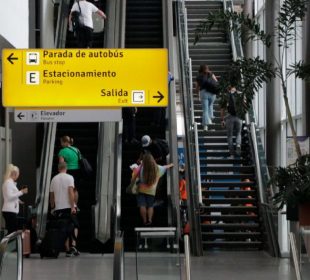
66,139
10,171
150,169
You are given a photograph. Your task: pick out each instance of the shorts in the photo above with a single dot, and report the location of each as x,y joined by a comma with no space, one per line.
145,200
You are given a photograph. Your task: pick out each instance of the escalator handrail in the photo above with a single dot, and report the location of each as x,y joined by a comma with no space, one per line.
189,137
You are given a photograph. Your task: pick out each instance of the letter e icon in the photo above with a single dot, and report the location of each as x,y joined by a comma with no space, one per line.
32,77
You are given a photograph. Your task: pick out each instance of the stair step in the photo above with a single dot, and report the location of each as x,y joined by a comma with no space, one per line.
243,193
247,234
245,244
224,153
223,161
208,201
218,168
225,176
228,184
229,218
228,209
230,226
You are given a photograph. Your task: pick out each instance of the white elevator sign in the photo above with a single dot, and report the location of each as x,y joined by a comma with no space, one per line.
73,115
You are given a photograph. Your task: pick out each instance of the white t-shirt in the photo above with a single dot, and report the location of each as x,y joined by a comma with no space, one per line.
60,187
87,10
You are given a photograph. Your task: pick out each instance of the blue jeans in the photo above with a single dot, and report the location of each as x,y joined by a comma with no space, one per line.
233,123
207,99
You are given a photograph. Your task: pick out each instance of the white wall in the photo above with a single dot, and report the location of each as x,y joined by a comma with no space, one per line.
14,22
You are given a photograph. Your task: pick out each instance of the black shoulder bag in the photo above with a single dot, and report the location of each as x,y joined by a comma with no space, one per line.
85,166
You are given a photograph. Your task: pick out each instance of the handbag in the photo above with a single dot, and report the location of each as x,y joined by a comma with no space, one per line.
75,19
133,187
85,166
210,85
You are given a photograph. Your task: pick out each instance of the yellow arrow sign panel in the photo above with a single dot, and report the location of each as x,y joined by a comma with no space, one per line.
85,78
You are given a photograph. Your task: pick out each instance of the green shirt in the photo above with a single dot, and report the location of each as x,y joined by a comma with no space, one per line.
70,156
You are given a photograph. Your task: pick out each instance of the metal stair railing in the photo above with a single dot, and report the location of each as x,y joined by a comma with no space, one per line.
265,193
190,144
11,256
171,131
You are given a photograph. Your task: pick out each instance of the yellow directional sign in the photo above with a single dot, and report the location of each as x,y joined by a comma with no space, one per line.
85,78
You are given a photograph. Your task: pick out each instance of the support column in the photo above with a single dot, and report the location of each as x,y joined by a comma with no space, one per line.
306,57
248,10
273,92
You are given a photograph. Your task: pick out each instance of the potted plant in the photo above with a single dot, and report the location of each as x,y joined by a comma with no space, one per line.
293,184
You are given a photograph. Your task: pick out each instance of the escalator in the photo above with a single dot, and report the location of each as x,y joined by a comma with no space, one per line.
144,29
87,137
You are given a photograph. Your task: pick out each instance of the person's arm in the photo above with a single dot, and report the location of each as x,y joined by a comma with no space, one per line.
222,117
169,165
214,78
10,193
102,14
52,200
72,199
197,87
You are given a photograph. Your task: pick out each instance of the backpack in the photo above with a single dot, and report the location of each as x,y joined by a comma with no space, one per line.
231,105
211,85
75,19
163,145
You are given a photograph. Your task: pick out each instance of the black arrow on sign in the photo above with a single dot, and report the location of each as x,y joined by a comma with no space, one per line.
160,96
11,58
20,116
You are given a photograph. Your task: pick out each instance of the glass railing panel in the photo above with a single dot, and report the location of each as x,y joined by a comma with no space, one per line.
11,257
157,254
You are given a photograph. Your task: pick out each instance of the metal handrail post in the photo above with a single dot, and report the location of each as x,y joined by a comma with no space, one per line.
187,257
198,164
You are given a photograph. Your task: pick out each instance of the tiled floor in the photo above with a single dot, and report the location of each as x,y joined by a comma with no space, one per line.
214,265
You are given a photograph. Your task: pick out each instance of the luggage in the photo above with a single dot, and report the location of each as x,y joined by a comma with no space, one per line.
26,243
55,237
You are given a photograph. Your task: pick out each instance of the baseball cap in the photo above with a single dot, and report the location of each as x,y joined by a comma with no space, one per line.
146,140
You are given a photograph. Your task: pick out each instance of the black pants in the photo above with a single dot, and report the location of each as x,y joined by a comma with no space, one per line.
85,37
10,221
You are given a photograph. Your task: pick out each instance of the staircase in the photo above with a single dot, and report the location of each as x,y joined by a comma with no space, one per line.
229,215
143,30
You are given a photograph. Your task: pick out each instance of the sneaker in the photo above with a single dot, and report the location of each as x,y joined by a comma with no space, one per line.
205,128
75,251
72,252
238,151
69,253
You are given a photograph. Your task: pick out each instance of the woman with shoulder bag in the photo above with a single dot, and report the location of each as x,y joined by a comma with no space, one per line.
207,97
70,155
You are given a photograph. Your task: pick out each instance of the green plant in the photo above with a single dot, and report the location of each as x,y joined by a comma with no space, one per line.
256,71
293,183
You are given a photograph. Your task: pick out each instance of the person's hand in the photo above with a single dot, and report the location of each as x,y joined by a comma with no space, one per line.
24,190
223,123
73,210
